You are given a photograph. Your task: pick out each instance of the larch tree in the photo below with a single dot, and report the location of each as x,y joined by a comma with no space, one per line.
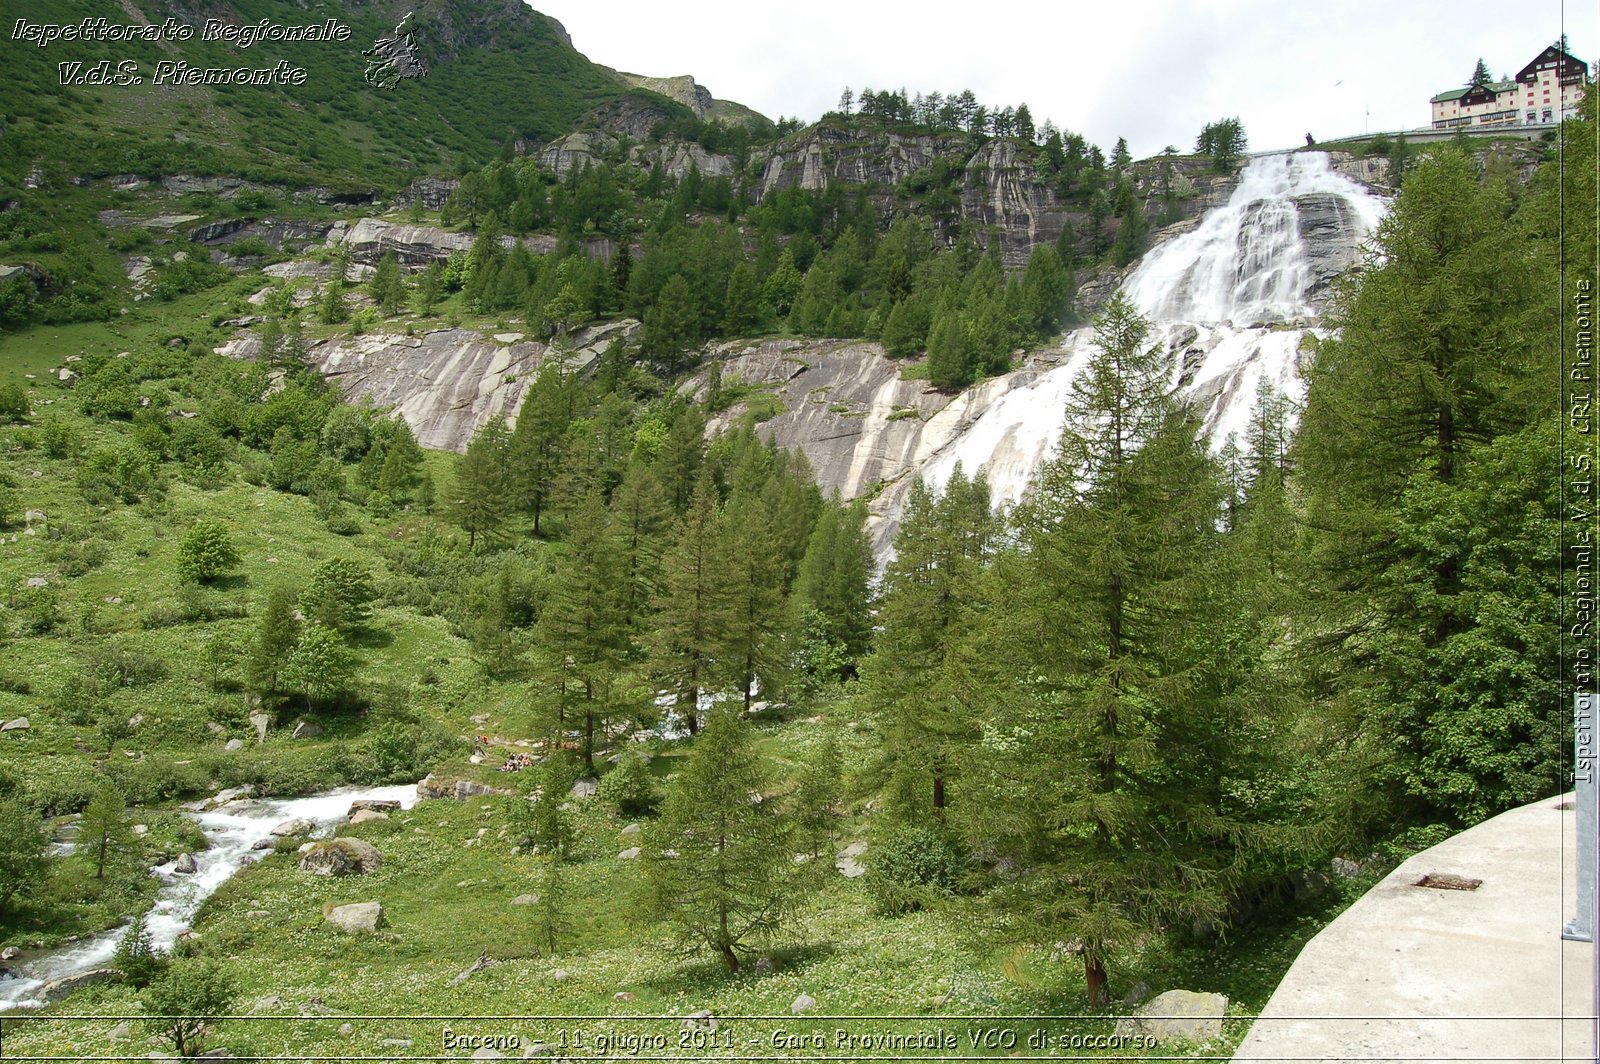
684,634
915,677
717,861
1092,769
481,499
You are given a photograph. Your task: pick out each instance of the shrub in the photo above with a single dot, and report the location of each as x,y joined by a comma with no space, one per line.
13,402
136,958
631,787
910,868
207,552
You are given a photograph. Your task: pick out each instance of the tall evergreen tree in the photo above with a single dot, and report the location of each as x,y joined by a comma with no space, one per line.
1435,360
1096,675
835,579
915,676
481,502
276,635
387,287
539,441
683,637
584,625
750,588
717,861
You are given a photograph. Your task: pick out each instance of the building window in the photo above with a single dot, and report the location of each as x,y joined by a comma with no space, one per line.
1547,114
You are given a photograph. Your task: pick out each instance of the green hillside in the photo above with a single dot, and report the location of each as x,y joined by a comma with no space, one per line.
499,71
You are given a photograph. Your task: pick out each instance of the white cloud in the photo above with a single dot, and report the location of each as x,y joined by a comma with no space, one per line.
1154,71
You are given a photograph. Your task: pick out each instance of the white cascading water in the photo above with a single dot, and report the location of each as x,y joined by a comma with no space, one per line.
233,830
1230,300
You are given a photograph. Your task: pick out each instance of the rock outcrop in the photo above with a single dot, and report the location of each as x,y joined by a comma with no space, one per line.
341,857
57,989
447,384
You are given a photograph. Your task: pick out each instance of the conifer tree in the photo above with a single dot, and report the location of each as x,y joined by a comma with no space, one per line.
835,579
584,625
104,831
387,287
481,496
949,350
915,677
683,636
276,636
539,441
717,860
1433,363
1096,676
749,580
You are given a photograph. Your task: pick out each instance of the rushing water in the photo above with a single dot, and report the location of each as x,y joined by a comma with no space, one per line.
1230,300
233,830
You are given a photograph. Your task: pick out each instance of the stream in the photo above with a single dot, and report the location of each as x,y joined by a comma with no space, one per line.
232,829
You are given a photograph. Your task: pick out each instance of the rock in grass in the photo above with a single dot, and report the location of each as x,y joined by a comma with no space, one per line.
1177,1015
306,730
292,829
362,816
525,899
233,745
629,854
803,1003
19,724
483,961
340,857
362,916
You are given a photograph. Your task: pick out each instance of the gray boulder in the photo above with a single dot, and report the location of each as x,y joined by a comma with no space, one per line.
377,805
362,816
1177,1015
185,865
306,730
363,916
629,854
261,722
340,857
19,724
803,1003
292,829
233,745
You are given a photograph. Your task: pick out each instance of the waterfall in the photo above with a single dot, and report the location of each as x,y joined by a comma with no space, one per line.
1231,301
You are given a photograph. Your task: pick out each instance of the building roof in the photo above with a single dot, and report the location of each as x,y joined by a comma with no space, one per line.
1569,64
1456,94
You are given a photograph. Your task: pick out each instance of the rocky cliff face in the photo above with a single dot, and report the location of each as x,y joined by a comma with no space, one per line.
369,239
447,384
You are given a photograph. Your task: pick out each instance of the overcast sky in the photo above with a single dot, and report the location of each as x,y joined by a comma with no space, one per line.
1153,71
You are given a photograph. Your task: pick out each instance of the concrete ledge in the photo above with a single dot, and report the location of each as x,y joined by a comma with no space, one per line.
1412,973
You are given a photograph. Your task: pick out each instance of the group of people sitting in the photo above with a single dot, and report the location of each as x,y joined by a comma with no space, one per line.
517,762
